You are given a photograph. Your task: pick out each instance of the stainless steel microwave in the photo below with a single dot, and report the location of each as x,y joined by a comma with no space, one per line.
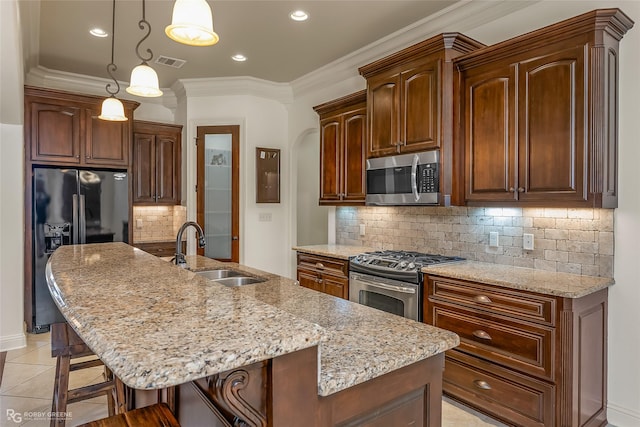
406,179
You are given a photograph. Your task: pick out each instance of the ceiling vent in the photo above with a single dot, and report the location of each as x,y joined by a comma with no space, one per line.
170,62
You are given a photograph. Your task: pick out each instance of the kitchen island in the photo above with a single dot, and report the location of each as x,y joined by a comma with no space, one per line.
271,353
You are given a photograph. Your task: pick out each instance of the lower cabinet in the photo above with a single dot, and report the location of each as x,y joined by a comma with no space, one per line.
526,358
324,274
161,249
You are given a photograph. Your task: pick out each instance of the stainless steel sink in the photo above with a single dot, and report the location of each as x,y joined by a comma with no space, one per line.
218,274
238,281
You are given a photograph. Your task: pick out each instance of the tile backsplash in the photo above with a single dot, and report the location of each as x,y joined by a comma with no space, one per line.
157,223
576,241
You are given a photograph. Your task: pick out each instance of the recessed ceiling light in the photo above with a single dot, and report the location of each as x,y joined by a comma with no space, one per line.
299,15
98,32
239,57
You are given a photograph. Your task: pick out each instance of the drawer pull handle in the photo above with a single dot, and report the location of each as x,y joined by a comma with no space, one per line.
482,384
483,299
481,334
319,265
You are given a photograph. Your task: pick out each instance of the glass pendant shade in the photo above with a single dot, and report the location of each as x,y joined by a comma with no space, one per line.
192,23
113,110
144,82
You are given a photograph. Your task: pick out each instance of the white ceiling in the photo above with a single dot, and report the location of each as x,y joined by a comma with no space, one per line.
278,49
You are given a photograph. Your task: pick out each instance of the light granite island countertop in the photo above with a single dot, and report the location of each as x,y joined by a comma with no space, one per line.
157,325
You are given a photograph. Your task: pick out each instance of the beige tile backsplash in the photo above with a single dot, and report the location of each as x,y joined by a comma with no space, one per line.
576,241
159,223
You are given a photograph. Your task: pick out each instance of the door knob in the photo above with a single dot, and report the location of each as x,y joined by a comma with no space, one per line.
234,238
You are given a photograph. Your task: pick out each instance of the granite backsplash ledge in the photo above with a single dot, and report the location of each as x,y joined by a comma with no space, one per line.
578,241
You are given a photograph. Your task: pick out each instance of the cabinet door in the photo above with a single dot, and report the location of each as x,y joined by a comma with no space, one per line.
383,103
310,280
353,168
55,133
144,175
490,151
167,169
330,142
420,109
107,142
336,286
551,123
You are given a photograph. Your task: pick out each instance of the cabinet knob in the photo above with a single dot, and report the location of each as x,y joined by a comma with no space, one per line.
512,190
482,299
481,334
482,384
520,189
319,265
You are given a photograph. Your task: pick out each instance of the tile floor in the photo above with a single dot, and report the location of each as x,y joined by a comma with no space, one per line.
27,386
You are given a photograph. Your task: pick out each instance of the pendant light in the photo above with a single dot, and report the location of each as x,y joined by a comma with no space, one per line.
192,23
144,80
112,108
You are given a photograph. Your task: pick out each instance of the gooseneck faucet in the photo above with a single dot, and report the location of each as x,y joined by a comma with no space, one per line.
179,258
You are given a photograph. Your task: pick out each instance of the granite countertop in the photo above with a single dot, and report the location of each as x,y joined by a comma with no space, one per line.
157,325
335,251
544,282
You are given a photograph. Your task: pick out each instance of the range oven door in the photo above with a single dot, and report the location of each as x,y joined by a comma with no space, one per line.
392,296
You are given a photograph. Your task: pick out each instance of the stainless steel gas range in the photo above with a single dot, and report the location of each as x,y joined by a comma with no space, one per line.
391,280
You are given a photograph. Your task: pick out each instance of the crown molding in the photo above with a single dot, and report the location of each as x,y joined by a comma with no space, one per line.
80,83
221,86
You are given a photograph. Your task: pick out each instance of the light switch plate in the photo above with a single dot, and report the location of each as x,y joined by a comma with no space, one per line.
494,240
527,242
362,227
138,223
264,217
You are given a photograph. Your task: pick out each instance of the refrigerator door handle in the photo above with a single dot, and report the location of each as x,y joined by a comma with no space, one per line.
83,221
74,216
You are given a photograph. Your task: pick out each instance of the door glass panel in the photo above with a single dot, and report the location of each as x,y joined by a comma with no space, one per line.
218,187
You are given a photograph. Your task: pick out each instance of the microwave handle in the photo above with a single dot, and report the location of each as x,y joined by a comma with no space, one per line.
414,177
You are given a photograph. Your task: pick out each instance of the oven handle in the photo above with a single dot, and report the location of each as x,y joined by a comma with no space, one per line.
394,288
414,177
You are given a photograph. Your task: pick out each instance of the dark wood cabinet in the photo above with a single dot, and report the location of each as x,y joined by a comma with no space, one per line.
343,135
539,115
160,249
156,163
63,128
526,358
324,274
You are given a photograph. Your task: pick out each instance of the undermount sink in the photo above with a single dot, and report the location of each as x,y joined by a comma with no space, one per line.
230,278
218,274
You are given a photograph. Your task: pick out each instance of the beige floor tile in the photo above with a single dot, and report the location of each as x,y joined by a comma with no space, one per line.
31,346
12,409
40,386
455,414
39,356
17,373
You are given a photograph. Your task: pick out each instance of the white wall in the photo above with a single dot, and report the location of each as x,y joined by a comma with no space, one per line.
11,174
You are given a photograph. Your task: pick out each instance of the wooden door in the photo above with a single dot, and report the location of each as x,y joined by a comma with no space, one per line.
167,170
353,164
551,127
330,158
218,190
54,132
420,108
144,168
383,112
489,104
106,142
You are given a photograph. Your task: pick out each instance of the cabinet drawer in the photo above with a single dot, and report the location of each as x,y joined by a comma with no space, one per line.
514,398
525,347
336,285
520,304
320,264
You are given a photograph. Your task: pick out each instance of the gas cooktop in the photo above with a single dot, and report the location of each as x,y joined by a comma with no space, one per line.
397,264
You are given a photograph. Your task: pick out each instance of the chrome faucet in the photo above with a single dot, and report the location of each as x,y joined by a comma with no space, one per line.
179,258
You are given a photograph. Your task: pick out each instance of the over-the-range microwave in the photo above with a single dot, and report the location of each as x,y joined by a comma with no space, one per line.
406,179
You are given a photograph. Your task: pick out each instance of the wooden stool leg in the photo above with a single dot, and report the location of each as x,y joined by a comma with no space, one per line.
108,376
60,391
121,406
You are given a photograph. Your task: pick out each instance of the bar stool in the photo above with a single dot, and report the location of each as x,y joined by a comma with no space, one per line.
65,346
157,415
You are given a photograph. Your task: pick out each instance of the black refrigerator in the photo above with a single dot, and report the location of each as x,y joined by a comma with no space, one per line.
72,206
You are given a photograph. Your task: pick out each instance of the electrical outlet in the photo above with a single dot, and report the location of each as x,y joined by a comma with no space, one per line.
527,242
138,223
362,229
494,240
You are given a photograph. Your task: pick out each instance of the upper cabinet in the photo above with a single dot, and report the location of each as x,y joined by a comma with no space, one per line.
156,163
538,116
343,135
63,128
410,96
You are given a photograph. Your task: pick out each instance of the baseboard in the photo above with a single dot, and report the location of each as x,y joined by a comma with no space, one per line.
619,416
12,342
